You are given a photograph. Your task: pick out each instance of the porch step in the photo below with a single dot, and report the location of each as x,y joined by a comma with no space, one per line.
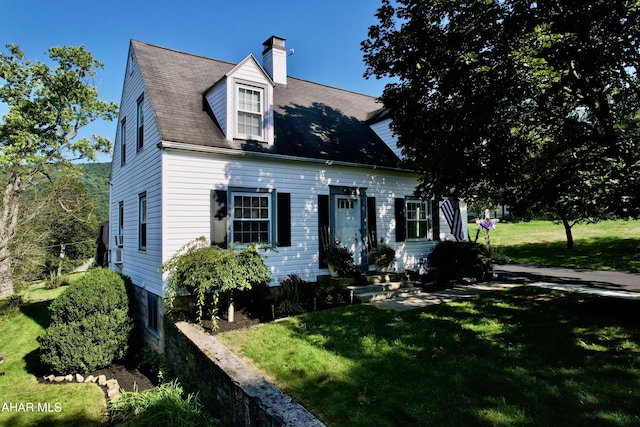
383,291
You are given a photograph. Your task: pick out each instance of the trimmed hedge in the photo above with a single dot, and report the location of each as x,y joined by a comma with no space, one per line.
90,325
452,260
98,291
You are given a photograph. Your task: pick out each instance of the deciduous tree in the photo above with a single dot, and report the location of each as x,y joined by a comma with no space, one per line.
530,103
47,106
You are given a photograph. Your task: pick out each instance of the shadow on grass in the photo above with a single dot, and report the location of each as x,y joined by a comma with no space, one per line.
601,253
38,312
525,357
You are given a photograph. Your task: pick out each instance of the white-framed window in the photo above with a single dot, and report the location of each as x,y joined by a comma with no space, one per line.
123,142
251,217
250,112
419,219
142,221
119,241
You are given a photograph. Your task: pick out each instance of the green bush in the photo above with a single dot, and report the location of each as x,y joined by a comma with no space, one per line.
86,345
90,325
289,297
166,405
98,291
205,272
455,260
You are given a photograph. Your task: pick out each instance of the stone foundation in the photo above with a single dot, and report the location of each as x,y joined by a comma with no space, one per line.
238,395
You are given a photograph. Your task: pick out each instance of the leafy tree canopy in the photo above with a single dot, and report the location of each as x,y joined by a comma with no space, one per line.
531,103
47,106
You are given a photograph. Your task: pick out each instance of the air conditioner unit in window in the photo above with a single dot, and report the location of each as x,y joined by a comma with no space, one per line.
119,241
117,256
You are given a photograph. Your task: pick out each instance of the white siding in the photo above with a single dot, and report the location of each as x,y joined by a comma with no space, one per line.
217,99
190,177
383,130
249,72
141,173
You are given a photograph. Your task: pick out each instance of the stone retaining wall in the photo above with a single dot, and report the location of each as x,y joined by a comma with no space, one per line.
225,383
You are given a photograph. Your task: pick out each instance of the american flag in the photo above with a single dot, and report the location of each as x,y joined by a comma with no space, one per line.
451,211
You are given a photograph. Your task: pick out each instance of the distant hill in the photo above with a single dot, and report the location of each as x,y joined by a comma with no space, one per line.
95,177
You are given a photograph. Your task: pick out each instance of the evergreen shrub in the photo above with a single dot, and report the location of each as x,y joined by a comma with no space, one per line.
90,325
452,260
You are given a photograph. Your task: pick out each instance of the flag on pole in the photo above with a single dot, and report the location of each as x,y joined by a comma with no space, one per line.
451,211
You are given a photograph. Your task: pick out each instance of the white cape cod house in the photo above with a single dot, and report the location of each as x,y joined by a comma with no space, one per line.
244,153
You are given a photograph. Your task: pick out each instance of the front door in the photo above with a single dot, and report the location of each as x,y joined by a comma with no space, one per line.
348,226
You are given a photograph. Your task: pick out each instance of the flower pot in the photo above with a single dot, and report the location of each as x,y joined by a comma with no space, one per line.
332,271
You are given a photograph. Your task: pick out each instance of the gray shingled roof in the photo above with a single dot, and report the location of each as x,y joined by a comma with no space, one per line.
311,120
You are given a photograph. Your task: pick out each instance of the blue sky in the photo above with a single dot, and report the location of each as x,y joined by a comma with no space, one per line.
325,35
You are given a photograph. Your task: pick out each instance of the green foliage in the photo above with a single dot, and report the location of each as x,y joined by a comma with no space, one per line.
167,405
205,271
87,344
452,260
154,365
47,106
537,103
95,178
289,296
382,255
90,324
340,258
99,291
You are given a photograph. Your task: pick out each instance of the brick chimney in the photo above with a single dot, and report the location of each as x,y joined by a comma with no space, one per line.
274,59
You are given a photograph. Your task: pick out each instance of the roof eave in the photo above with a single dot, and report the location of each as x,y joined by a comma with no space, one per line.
181,146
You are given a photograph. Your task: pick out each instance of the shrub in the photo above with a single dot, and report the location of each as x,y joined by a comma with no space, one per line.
98,291
340,258
454,260
86,345
90,325
166,405
382,255
205,272
289,296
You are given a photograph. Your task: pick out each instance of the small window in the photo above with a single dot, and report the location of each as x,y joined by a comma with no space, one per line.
123,142
250,116
140,116
142,222
418,216
152,311
251,217
120,220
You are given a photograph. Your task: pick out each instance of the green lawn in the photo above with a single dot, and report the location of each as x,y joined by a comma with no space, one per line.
24,401
527,357
608,245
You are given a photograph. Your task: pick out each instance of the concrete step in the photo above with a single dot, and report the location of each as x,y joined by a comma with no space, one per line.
386,294
379,287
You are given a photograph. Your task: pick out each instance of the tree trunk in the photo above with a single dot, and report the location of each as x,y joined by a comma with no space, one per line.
568,232
6,282
8,226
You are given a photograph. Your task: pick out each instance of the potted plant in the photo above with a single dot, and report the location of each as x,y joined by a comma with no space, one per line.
383,256
339,259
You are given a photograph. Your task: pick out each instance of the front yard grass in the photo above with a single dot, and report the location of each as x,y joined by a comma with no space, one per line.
526,357
24,401
607,245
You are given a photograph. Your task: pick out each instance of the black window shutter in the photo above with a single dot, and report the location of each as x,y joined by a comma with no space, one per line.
284,219
219,224
372,234
401,221
324,234
435,219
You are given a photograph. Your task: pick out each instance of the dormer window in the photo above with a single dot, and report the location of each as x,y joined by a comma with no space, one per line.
250,113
